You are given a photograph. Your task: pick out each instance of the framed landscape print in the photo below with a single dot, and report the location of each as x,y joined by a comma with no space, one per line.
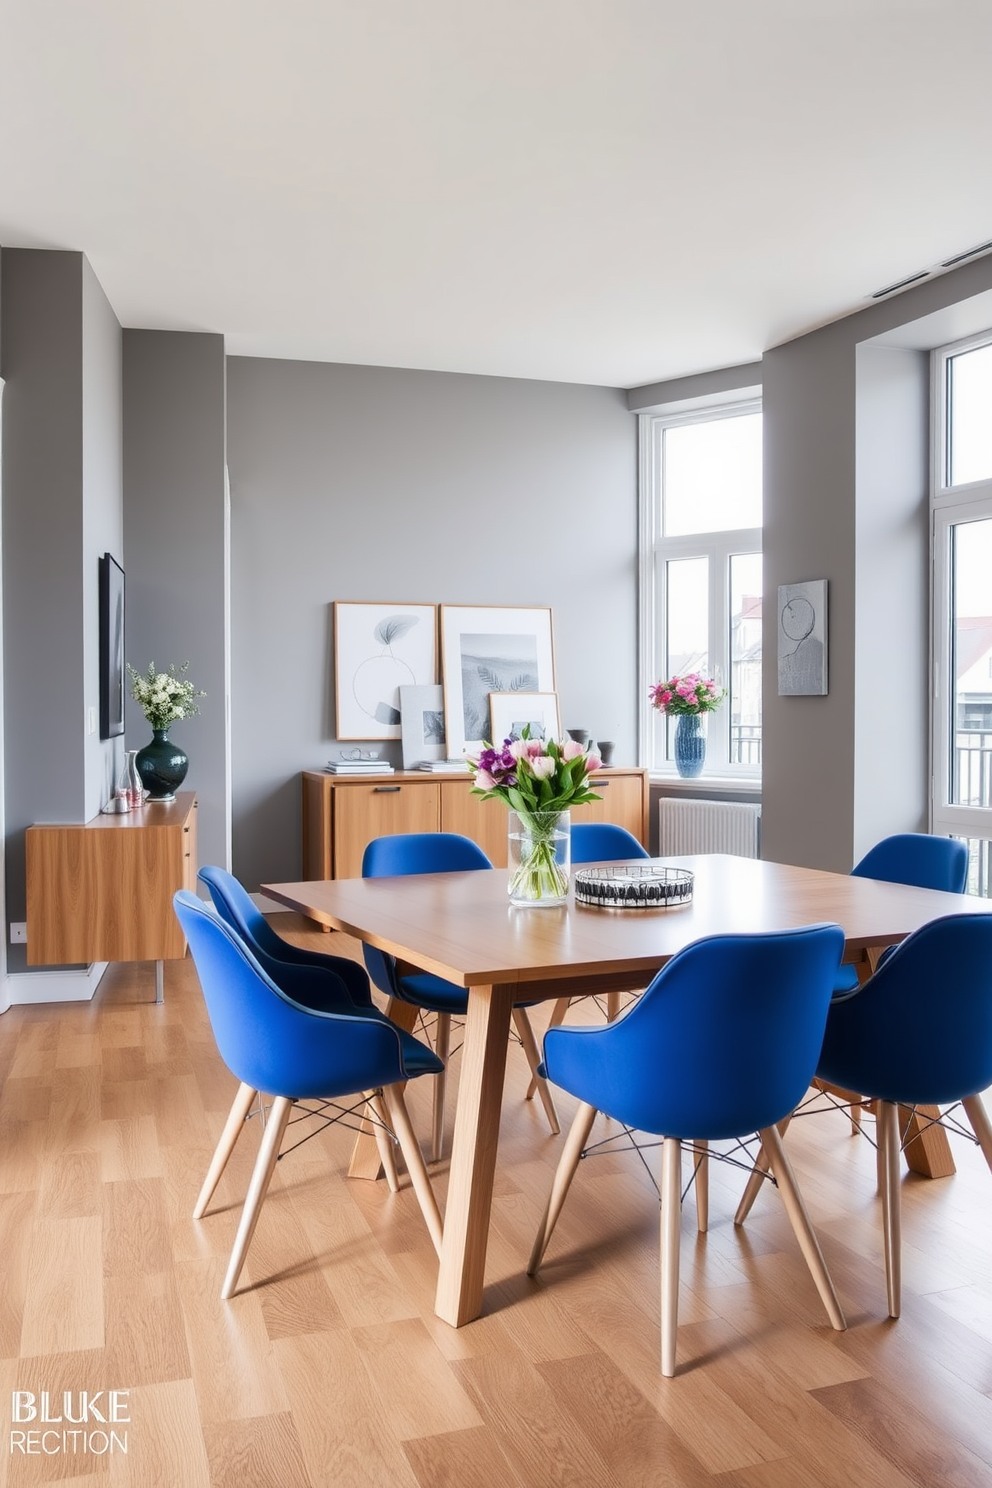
511,712
379,648
490,648
111,590
422,725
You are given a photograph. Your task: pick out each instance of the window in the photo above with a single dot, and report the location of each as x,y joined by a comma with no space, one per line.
962,602
700,576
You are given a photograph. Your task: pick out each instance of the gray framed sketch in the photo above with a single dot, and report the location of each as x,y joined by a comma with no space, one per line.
379,648
511,712
490,648
802,639
422,725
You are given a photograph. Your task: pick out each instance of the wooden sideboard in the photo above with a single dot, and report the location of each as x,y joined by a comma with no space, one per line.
342,813
102,890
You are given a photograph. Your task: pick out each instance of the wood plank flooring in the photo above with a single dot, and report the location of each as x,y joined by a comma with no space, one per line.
329,1370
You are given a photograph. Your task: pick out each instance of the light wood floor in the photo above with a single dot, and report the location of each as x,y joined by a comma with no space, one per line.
330,1370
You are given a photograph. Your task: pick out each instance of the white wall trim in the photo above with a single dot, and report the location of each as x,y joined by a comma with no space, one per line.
25,988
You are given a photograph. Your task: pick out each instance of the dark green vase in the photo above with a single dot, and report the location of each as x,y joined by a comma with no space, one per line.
162,766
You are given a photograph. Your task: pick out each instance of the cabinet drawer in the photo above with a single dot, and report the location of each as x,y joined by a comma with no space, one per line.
364,810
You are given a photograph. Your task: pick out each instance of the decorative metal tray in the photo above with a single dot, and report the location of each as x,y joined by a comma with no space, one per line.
637,886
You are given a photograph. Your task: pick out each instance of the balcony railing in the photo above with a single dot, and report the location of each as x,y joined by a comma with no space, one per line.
972,766
745,743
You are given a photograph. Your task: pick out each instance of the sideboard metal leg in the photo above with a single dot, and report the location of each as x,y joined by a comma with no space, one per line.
159,981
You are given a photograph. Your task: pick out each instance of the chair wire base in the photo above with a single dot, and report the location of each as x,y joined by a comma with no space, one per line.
357,1118
624,1141
811,1107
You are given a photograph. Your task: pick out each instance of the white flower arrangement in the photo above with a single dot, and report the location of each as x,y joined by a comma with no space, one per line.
164,696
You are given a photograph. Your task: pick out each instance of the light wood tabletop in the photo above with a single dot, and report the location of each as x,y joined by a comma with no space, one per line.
462,927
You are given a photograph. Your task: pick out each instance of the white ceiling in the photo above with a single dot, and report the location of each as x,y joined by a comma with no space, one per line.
605,191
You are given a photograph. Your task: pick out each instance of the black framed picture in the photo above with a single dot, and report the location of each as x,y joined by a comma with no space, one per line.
111,648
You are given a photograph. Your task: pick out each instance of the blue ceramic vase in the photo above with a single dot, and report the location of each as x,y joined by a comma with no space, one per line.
162,766
690,745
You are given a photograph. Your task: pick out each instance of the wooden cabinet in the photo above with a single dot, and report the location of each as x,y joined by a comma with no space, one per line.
341,813
102,891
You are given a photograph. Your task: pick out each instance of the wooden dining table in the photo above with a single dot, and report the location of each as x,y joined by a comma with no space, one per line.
462,927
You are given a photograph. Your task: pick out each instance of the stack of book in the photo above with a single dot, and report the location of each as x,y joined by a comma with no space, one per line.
358,767
444,766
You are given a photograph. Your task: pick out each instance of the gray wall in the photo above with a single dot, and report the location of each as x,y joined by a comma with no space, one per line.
62,508
845,486
175,548
369,483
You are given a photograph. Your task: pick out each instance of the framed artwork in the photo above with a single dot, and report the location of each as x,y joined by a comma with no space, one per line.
111,589
422,725
379,648
490,648
511,712
802,639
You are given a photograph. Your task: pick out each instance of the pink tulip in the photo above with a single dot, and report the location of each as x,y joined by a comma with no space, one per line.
535,749
594,762
519,749
571,750
543,767
483,778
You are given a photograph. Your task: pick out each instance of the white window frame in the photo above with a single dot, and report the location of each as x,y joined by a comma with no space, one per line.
950,506
654,551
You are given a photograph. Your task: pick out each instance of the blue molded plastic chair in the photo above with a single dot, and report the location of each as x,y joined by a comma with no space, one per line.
919,1032
603,842
438,852
597,842
324,983
911,858
723,1043
234,905
271,1042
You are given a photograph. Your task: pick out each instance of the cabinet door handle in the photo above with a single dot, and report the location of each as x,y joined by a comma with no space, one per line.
600,784
385,789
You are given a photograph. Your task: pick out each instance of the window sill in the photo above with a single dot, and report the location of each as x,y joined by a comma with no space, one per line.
677,784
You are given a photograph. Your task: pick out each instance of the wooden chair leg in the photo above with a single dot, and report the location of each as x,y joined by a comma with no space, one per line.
671,1235
976,1113
442,1045
574,1143
557,1018
799,1219
887,1121
753,1185
261,1176
383,1140
702,1176
237,1117
399,1119
526,1035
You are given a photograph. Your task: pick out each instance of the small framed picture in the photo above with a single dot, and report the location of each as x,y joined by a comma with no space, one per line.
802,639
422,725
511,712
490,648
379,648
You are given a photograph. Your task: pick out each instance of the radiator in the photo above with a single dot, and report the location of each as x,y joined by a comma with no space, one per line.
708,827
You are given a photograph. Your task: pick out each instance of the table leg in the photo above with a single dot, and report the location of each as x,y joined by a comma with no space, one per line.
160,982
461,1274
365,1160
925,1148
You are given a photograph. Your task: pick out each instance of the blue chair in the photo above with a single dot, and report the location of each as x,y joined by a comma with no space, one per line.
438,852
911,858
919,1032
324,983
722,1044
596,842
604,842
271,1042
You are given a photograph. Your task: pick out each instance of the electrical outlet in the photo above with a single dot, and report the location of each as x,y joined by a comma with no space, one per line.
18,932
